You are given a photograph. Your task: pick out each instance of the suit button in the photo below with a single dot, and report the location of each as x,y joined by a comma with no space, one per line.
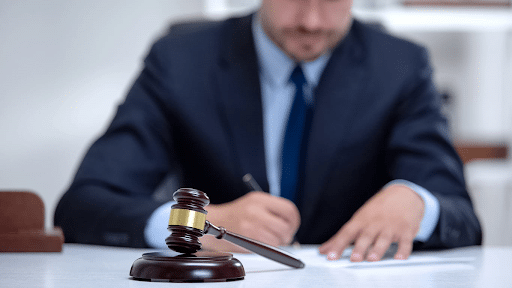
452,233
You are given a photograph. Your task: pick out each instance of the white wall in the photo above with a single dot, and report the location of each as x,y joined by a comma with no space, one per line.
64,67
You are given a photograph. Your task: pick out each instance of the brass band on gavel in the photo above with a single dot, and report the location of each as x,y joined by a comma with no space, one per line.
190,218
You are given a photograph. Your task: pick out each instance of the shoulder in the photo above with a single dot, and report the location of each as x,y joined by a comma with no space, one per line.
200,37
187,38
198,45
381,47
388,60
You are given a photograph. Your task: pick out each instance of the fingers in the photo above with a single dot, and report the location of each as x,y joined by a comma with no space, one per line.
380,246
392,215
404,247
260,216
281,229
280,215
273,227
211,243
362,244
267,237
338,243
370,245
284,209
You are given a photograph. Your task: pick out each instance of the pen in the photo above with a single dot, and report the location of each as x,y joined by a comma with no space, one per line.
251,182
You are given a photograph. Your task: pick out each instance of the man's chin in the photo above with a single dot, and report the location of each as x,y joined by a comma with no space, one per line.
305,53
306,56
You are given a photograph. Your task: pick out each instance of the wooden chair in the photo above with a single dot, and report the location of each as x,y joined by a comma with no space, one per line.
22,225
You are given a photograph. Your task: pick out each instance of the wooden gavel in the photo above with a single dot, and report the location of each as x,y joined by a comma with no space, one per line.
187,223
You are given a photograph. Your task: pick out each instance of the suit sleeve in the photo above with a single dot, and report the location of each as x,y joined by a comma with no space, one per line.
110,199
420,151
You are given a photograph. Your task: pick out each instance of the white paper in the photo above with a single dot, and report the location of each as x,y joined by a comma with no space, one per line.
312,258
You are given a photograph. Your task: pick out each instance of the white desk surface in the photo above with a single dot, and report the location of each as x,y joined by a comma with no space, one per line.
96,266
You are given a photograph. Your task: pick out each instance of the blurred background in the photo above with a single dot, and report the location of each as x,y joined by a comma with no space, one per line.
66,65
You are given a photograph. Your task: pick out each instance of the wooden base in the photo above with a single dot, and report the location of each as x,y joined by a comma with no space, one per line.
32,241
202,266
22,224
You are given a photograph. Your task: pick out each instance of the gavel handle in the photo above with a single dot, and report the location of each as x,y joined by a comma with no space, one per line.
257,247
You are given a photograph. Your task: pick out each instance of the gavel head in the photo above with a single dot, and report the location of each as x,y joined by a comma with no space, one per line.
187,220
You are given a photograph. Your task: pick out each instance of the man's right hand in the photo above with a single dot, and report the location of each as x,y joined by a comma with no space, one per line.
257,215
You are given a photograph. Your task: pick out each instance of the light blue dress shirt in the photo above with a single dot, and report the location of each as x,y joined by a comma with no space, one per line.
275,68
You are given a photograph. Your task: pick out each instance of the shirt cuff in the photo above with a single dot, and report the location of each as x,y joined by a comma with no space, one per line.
431,216
156,227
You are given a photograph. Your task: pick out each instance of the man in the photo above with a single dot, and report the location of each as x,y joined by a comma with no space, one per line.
374,165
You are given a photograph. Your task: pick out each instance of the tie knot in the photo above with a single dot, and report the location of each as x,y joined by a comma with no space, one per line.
297,77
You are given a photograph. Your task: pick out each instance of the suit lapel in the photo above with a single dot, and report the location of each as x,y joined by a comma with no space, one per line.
240,97
334,98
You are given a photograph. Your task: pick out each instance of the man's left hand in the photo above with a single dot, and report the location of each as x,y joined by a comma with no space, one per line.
392,215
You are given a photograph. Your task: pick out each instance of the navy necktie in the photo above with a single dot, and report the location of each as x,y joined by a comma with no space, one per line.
294,140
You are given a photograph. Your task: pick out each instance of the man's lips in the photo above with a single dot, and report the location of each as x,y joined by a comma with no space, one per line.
301,34
307,37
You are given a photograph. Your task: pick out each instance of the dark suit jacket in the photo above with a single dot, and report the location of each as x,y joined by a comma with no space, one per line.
196,108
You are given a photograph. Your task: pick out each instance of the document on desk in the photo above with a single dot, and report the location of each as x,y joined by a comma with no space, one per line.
312,258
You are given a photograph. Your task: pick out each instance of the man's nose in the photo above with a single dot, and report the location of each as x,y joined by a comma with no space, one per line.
311,15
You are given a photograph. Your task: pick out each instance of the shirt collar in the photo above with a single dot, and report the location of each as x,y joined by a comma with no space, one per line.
275,66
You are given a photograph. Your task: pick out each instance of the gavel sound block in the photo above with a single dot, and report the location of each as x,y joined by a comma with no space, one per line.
186,263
